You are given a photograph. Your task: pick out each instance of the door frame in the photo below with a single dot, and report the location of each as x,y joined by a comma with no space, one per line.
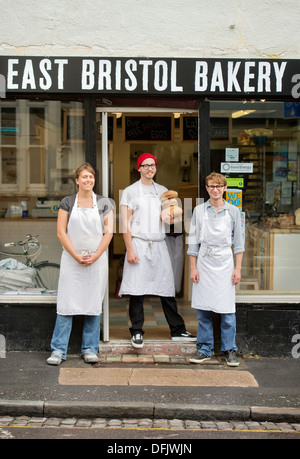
105,175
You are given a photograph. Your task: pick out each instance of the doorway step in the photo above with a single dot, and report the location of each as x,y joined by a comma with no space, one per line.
154,351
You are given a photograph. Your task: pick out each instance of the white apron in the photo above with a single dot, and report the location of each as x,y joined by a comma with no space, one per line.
81,288
215,291
153,274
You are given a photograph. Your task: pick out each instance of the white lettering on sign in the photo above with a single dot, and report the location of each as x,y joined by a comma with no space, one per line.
30,77
237,168
296,88
165,75
231,77
257,76
152,76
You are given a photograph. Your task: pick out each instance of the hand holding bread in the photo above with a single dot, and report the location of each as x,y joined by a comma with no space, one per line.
171,212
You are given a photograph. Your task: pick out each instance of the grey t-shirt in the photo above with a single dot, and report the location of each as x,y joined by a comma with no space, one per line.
105,205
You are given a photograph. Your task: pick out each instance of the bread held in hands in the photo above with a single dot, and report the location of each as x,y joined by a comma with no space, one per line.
171,212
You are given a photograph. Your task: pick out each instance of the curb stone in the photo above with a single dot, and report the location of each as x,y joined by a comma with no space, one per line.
143,410
22,407
261,413
202,412
99,409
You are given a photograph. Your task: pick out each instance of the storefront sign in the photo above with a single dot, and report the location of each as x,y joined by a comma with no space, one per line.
235,182
237,168
231,154
186,76
292,109
234,197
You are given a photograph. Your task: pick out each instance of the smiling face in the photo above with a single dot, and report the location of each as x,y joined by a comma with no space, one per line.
147,173
215,190
85,180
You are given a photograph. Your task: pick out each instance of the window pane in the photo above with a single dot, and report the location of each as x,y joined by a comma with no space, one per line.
259,154
9,127
37,164
8,165
41,145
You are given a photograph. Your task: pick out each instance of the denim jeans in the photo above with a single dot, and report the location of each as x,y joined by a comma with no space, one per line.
62,332
205,333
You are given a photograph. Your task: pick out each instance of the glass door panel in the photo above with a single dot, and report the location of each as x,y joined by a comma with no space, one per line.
102,174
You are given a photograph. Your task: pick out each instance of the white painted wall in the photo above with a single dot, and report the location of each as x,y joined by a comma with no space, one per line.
164,28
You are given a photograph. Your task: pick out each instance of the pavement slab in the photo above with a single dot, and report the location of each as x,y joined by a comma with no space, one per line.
155,377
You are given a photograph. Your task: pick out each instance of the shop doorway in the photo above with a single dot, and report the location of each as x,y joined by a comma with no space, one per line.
122,135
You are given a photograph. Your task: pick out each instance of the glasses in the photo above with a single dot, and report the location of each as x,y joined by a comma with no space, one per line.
148,166
218,187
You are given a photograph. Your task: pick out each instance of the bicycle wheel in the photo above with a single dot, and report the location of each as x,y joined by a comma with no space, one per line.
47,275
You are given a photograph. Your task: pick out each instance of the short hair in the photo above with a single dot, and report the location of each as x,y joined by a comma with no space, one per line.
217,178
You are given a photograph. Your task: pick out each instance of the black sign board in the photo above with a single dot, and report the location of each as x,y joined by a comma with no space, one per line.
148,128
150,76
219,128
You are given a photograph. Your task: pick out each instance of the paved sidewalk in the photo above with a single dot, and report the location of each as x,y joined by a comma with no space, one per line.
259,390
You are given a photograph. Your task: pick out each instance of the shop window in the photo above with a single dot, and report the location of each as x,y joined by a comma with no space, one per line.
260,159
41,145
9,131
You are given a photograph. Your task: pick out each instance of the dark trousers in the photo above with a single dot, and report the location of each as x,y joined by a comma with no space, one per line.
169,305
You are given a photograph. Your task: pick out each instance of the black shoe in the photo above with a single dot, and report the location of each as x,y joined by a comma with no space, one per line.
199,358
184,337
137,340
231,360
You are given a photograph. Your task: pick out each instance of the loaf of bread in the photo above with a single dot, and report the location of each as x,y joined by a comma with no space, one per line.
171,212
168,195
169,202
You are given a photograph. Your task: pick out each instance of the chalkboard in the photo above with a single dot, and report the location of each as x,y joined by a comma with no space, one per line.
189,128
219,128
148,128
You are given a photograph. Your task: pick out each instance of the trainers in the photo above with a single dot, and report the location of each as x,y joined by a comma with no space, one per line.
90,357
54,360
185,336
137,340
231,360
199,358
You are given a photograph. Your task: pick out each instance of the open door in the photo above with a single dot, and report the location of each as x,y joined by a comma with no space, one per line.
117,151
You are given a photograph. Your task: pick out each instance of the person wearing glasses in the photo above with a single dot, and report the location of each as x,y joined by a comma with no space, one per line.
215,229
147,266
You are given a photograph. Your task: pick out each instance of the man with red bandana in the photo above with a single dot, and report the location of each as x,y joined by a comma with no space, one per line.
147,267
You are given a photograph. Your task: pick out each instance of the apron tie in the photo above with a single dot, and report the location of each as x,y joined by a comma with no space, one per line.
149,249
149,246
209,252
213,251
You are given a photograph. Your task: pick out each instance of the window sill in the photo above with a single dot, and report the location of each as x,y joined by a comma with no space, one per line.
267,298
28,299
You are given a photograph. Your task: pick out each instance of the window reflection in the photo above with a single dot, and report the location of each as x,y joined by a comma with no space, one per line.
41,145
261,134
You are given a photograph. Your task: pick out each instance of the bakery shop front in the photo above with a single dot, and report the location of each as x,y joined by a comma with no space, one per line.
239,117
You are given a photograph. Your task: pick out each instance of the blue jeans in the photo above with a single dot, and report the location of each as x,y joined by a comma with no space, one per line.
62,331
205,333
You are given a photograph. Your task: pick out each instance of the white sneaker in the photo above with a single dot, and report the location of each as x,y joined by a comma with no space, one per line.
184,337
137,340
54,360
90,357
